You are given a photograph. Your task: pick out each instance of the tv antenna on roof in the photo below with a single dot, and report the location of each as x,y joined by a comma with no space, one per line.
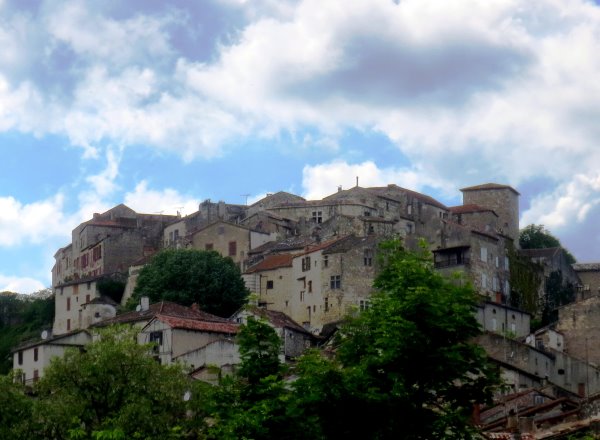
246,196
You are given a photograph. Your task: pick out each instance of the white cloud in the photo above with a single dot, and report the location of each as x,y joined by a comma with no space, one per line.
19,285
166,201
31,222
321,180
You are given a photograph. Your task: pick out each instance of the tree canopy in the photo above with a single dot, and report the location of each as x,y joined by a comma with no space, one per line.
538,237
188,276
403,368
113,387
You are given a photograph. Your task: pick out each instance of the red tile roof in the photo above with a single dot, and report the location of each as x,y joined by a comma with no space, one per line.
164,308
271,262
199,325
464,209
278,319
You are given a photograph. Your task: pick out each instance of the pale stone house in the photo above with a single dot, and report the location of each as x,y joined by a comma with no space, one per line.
31,359
589,275
187,339
230,240
295,339
503,319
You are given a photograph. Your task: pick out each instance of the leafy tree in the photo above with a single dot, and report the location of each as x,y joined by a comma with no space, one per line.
111,389
538,237
15,409
188,276
406,367
254,403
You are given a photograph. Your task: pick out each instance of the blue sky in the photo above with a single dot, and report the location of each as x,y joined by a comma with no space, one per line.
162,104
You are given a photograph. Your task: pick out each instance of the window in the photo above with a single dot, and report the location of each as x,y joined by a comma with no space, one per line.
483,254
326,304
310,286
84,261
364,304
317,216
305,263
495,284
497,261
68,304
302,296
507,287
325,260
232,248
20,358
156,338
368,257
409,209
506,263
87,298
35,354
494,324
409,228
208,247
335,282
367,213
97,253
483,281
269,284
68,325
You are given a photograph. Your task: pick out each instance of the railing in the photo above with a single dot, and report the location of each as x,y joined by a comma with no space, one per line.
464,261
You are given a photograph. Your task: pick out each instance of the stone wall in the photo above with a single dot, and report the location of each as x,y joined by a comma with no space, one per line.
579,322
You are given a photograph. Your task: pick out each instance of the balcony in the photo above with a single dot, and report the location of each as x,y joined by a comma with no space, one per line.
454,260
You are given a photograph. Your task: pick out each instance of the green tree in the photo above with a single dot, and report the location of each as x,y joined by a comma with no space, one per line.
15,409
111,389
406,367
188,276
538,237
254,403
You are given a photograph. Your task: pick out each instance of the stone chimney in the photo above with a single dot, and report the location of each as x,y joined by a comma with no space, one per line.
144,303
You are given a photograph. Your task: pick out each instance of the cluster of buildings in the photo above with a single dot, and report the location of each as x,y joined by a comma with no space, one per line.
310,262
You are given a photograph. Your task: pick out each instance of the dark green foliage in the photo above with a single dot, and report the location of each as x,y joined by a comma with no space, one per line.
557,293
188,276
409,366
525,279
538,237
111,288
15,409
111,388
21,318
259,350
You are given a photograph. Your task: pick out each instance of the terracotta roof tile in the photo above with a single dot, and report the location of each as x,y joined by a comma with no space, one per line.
164,308
271,262
469,208
200,325
279,319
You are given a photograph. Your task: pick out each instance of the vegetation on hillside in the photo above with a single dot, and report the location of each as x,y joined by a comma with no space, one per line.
538,237
404,368
22,317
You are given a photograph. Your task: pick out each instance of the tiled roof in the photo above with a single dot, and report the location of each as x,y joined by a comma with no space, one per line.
490,186
320,246
423,197
292,243
464,209
350,242
540,253
271,262
278,319
199,325
586,267
164,308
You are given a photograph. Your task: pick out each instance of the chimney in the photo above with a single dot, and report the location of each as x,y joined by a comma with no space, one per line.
339,188
144,303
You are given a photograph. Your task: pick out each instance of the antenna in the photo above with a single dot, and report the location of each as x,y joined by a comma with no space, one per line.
246,196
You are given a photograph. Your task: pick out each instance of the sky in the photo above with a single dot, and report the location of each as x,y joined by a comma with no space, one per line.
160,104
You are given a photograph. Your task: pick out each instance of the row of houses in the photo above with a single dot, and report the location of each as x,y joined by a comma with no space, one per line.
310,262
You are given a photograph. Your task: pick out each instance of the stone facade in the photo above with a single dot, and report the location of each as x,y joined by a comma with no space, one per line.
579,322
589,276
502,319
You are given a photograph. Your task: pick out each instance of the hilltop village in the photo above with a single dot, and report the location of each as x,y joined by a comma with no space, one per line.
310,262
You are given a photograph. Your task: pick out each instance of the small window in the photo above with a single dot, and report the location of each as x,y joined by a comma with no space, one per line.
326,304
335,281
68,304
317,216
483,281
20,358
363,305
305,263
506,263
325,260
87,298
368,257
157,339
35,354
68,325
232,248
483,254
310,286
269,284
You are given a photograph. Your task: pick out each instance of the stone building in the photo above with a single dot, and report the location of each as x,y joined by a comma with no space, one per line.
579,322
589,275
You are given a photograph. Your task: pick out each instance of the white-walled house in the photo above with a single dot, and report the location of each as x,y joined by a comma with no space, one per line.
31,359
